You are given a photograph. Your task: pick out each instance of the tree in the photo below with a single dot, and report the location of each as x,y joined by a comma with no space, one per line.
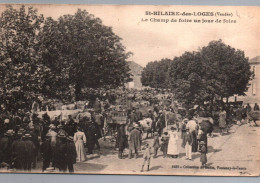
186,78
23,76
85,52
228,71
216,71
155,74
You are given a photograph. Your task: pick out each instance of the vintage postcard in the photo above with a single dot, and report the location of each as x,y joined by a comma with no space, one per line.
130,89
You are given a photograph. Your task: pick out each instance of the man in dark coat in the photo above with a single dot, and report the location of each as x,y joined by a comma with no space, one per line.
46,152
248,108
6,147
135,141
19,152
71,154
160,124
91,135
121,140
30,149
34,139
60,153
256,107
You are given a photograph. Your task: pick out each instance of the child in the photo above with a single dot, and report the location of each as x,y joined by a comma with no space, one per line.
187,143
156,144
164,146
146,156
203,151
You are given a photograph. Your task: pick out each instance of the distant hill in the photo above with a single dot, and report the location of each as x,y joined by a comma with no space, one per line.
254,60
136,71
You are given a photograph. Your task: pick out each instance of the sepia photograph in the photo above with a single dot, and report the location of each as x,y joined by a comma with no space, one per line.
130,89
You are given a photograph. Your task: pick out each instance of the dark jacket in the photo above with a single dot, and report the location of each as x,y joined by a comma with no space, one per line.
30,148
60,155
135,140
19,153
121,138
46,150
71,153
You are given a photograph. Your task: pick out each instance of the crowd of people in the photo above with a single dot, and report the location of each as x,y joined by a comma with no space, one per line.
27,138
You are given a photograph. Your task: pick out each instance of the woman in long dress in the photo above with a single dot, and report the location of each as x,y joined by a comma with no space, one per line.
173,149
80,140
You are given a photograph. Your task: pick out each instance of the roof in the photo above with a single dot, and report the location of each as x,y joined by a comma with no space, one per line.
255,60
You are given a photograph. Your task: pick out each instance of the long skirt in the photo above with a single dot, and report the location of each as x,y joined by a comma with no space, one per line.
81,153
173,147
203,158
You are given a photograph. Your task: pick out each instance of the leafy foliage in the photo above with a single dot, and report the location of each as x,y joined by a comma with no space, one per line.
56,59
214,72
22,74
85,53
155,74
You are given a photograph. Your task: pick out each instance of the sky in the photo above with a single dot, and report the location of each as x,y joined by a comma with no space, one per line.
150,41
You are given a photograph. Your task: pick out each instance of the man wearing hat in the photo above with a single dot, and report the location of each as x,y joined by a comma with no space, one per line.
91,135
121,140
160,123
187,143
135,141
